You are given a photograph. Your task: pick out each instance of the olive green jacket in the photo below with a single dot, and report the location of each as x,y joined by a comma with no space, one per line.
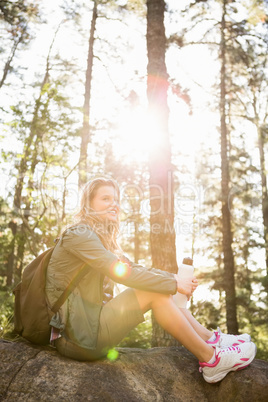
78,318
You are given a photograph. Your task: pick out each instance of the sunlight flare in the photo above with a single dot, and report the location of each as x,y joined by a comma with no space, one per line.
137,135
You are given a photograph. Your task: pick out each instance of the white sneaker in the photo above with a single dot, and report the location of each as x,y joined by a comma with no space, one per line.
226,340
228,359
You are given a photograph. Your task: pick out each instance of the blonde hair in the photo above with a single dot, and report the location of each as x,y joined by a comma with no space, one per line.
107,232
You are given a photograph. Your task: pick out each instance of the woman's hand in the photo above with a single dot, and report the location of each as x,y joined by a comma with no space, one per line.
186,286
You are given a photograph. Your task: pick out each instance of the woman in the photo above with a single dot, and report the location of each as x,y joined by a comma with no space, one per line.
88,325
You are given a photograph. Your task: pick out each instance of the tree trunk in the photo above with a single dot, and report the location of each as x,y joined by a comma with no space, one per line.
261,130
264,198
33,138
228,257
260,126
136,242
11,257
22,170
33,131
9,61
85,131
161,182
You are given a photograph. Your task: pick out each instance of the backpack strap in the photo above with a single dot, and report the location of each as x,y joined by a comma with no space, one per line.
72,285
74,282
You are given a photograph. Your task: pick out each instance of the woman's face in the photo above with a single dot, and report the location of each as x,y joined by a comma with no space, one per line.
106,203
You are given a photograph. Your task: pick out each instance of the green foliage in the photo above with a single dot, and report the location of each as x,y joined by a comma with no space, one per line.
5,240
260,337
6,314
139,337
14,11
207,314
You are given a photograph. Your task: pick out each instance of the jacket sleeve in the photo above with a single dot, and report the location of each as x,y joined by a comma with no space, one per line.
87,246
157,271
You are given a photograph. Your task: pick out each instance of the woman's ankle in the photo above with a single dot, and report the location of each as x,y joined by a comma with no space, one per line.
210,336
208,355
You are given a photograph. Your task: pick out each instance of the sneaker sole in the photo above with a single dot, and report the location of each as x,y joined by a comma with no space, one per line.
220,376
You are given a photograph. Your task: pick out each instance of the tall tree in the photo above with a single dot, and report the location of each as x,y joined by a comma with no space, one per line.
251,104
85,131
224,36
161,182
227,236
44,121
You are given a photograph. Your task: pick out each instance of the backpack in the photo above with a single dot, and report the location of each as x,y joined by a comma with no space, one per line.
32,313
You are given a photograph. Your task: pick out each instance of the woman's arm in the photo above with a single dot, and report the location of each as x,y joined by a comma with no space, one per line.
86,245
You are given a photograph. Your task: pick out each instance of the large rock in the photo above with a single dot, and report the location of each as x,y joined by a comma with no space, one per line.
31,373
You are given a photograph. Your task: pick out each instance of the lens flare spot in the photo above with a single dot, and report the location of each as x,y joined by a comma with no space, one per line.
112,355
120,270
